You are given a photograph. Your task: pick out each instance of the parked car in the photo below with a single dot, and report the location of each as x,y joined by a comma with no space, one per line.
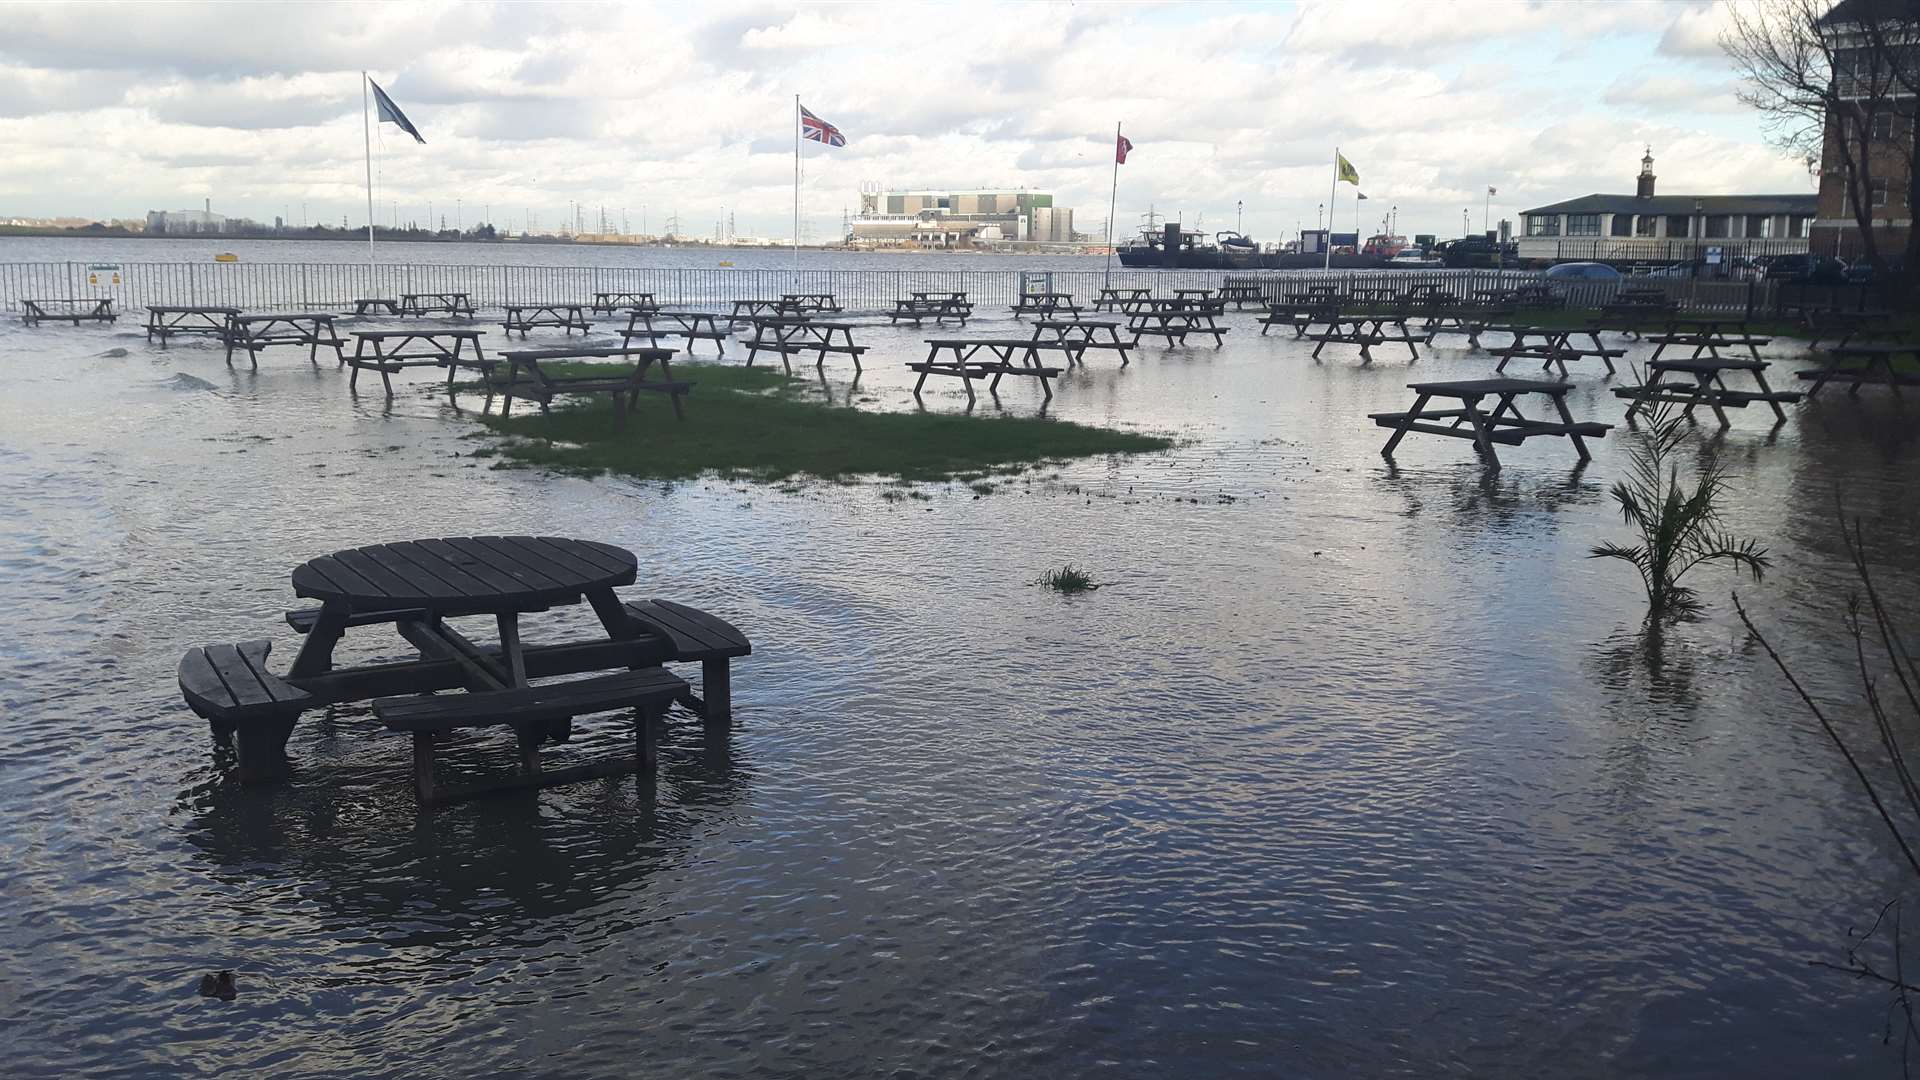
1807,270
1582,271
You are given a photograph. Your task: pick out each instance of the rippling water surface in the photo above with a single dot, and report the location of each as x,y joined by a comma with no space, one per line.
1351,769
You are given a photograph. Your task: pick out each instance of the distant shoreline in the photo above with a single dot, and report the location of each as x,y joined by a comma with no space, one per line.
384,236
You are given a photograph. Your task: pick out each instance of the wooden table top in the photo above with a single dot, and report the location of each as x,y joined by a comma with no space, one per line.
475,574
169,309
1478,387
584,352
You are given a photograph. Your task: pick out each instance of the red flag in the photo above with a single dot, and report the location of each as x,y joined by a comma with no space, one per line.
1120,149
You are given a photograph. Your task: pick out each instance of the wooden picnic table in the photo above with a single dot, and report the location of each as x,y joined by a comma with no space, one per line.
525,317
256,333
1044,304
1083,334
368,305
1120,298
608,302
939,309
810,302
1240,294
746,309
1554,348
1703,382
787,335
623,383
165,321
1842,326
428,303
1301,315
1012,356
75,310
416,587
690,326
1366,331
390,351
1503,425
1877,366
1174,322
1708,335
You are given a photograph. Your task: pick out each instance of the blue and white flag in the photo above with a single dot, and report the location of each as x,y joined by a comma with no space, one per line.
390,113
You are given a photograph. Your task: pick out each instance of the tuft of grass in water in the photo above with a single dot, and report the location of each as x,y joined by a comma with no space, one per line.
761,425
1068,580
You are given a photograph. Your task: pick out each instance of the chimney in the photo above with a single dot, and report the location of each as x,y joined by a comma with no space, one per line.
1645,188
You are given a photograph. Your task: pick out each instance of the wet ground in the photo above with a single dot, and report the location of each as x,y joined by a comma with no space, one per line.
1349,769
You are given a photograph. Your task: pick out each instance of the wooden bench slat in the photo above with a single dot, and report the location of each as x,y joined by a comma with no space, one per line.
531,704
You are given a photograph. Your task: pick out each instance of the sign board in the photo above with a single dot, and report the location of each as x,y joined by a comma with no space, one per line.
1035,281
103,273
1713,256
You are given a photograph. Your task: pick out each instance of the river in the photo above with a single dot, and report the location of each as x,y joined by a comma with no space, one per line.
1350,769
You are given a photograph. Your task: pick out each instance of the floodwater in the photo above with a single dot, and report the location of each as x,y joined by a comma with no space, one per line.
1350,769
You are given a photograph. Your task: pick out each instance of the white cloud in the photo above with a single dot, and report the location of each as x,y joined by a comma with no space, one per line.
111,110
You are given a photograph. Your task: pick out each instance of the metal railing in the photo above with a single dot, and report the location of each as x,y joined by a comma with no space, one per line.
334,286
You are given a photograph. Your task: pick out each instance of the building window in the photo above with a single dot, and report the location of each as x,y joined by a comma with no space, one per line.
1583,224
1646,225
1760,225
1543,224
1800,226
1716,225
1879,193
1679,225
1880,129
1621,225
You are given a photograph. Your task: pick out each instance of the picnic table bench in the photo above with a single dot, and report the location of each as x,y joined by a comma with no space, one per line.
1012,356
1081,335
1044,304
1174,323
1366,331
416,587
525,317
624,384
1503,425
390,351
1708,335
939,309
428,303
804,303
789,335
368,305
165,321
1120,299
608,302
1240,294
1877,366
1703,382
692,326
1554,348
1301,315
75,310
256,333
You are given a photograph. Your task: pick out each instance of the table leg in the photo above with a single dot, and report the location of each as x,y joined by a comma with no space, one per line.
1406,425
1566,417
1760,379
316,652
1482,430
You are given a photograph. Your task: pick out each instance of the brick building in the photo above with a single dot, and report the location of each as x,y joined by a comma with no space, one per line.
1879,131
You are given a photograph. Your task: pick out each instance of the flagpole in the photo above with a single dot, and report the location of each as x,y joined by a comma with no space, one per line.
366,135
1113,197
1333,189
796,192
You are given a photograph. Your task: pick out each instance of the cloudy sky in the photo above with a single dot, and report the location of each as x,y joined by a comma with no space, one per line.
110,110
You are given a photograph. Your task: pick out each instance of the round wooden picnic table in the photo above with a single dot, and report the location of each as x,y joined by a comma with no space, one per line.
466,574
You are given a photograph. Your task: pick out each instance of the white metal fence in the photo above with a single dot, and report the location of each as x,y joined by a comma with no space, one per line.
334,286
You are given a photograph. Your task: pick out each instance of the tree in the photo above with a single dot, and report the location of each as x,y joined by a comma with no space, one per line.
1838,82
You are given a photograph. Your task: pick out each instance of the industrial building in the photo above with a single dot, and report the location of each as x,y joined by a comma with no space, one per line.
958,219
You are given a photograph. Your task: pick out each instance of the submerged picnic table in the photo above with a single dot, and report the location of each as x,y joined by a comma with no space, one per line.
1694,383
256,333
691,325
1123,299
1240,294
1006,351
1877,366
787,335
75,310
165,321
416,587
525,317
805,303
1079,335
1708,335
624,384
1555,347
369,305
428,303
1503,425
607,302
1044,304
1174,320
938,308
1367,331
390,351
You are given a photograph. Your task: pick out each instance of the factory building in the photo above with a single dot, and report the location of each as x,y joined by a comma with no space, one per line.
954,219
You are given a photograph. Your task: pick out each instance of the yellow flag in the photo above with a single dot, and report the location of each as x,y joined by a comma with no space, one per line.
1347,172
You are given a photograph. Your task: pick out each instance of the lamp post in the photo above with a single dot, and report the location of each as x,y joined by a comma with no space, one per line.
1237,207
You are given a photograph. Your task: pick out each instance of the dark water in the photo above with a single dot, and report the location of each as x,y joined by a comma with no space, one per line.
1350,769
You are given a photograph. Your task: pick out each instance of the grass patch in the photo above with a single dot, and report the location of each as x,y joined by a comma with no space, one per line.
1068,580
762,425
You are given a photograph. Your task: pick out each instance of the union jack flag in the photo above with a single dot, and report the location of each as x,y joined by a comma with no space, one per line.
818,130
